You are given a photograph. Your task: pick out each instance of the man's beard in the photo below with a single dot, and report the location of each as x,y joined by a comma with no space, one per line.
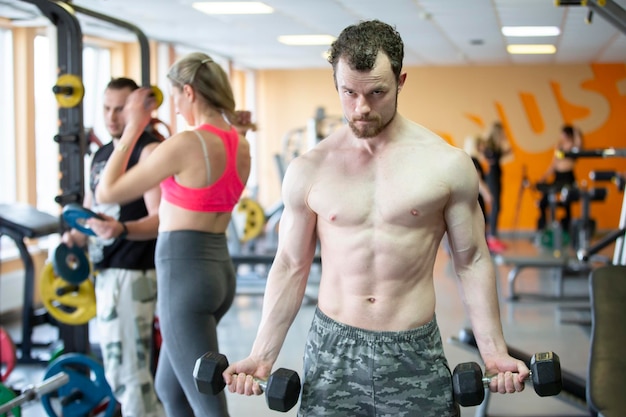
369,131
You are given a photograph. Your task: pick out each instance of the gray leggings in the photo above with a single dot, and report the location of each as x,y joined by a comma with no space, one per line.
353,372
196,284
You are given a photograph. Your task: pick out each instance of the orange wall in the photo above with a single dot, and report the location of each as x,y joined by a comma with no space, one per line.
533,102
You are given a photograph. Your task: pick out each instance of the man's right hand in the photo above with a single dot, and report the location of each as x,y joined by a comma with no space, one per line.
240,376
106,227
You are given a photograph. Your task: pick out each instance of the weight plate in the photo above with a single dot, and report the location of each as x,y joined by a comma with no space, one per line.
8,356
68,303
86,390
254,218
6,395
158,95
71,264
76,216
69,91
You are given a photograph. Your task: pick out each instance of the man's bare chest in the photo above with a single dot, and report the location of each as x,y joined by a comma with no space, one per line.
382,197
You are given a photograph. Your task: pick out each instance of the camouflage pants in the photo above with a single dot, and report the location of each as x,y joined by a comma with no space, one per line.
355,372
125,302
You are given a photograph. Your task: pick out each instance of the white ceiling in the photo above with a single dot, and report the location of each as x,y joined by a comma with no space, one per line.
435,32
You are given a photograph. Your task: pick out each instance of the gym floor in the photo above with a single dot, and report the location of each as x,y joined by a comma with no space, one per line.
530,324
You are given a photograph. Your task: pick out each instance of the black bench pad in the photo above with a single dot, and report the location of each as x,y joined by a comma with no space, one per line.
607,361
27,221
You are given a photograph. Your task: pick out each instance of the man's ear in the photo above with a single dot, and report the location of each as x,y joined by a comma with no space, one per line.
401,81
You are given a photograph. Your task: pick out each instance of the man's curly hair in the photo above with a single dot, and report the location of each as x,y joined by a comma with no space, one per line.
359,45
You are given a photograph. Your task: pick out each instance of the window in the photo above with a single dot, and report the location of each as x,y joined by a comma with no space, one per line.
7,120
96,75
46,117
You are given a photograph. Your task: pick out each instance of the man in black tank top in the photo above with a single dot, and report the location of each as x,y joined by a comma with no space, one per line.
122,255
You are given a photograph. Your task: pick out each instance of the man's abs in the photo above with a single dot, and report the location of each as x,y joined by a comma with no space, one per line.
385,306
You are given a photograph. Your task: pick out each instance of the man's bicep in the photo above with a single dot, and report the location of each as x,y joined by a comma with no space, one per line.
296,231
461,227
297,223
463,215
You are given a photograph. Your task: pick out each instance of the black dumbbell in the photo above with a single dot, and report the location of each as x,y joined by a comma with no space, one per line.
282,389
469,384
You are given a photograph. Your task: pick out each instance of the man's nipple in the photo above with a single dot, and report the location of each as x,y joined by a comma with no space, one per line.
415,212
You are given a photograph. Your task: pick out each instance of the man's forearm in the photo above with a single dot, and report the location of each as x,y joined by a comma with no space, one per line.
283,297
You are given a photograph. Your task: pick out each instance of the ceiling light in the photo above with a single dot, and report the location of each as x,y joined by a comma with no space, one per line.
531,49
306,39
517,31
245,7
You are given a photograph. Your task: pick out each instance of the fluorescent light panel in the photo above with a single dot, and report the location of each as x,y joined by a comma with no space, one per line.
530,31
531,49
306,40
244,7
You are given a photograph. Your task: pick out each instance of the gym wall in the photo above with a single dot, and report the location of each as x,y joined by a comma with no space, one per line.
533,102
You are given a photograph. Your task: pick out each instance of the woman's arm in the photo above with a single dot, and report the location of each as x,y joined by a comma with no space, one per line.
117,185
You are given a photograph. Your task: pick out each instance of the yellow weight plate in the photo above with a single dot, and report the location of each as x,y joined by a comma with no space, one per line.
158,95
255,218
69,91
68,303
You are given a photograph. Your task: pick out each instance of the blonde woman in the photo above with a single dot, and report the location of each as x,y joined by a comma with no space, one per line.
202,173
494,148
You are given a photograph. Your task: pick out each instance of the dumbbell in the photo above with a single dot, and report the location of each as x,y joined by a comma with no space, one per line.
282,389
469,384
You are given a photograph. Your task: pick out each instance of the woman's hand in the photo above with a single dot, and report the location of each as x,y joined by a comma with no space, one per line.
139,107
243,122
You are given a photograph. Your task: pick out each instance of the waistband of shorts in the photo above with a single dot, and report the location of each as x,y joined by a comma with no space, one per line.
356,333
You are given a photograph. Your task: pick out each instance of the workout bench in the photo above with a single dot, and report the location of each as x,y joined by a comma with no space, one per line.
562,266
607,362
21,221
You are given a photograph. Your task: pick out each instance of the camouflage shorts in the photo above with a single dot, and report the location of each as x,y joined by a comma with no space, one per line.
354,372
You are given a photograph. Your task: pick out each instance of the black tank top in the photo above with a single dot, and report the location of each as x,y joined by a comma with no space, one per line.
121,253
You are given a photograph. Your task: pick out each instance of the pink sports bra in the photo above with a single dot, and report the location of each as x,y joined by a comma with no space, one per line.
223,194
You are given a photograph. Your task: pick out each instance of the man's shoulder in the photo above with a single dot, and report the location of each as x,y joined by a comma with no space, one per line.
147,137
146,143
103,152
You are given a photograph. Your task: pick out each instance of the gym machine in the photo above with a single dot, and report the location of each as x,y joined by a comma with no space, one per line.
619,253
563,263
21,221
608,9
